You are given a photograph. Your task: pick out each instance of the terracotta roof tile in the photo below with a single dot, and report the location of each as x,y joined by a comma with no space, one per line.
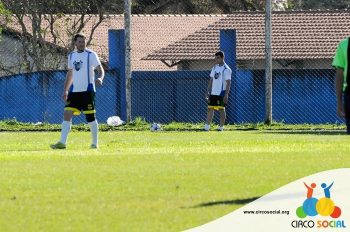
295,35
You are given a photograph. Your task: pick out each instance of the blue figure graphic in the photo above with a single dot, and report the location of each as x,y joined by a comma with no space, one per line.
327,192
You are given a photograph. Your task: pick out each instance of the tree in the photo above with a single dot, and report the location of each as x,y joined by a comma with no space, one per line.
195,6
318,4
45,34
324,4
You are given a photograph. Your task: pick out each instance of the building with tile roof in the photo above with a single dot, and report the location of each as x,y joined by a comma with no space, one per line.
300,39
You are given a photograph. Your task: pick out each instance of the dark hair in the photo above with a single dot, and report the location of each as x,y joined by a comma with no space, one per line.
220,53
79,35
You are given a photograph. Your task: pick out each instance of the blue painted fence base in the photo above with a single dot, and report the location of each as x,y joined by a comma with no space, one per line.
299,96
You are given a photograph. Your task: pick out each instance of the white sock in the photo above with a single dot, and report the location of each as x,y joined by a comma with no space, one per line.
206,127
66,125
94,132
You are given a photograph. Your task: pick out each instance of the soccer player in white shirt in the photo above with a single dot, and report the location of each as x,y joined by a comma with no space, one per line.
218,90
79,90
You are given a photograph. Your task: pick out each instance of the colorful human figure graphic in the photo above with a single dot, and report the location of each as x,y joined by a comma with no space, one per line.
327,192
323,206
310,190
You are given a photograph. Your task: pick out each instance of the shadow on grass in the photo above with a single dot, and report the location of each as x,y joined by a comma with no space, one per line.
227,202
308,132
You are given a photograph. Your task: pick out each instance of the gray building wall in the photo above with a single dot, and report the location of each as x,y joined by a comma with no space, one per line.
12,61
10,54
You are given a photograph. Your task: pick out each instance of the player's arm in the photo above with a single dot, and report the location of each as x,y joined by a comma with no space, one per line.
227,77
101,75
339,79
67,84
227,92
210,84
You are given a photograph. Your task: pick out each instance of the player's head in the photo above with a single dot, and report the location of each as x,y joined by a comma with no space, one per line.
313,185
219,57
79,41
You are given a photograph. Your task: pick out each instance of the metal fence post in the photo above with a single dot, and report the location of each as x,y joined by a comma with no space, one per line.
268,64
127,25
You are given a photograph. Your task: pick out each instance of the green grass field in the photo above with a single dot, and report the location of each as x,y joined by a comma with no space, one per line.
143,181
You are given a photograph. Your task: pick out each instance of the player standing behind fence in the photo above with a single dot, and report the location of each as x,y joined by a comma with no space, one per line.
79,90
218,90
342,82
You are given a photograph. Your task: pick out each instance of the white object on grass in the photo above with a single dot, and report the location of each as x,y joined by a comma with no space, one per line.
114,121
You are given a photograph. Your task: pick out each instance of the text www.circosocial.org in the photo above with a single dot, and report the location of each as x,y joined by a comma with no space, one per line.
272,212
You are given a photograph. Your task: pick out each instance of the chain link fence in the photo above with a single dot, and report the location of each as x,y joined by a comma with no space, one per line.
172,56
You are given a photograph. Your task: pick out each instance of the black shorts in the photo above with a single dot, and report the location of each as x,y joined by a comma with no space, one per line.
81,102
216,102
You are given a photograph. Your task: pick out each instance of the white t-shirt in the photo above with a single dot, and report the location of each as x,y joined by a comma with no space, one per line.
220,75
83,77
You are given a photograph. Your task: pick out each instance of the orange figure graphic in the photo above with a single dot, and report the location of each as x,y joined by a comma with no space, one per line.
310,190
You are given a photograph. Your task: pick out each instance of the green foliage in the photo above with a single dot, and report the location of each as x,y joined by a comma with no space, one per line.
139,124
3,13
325,4
3,10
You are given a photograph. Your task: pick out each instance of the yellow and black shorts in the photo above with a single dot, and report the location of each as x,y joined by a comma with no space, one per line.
81,102
216,102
